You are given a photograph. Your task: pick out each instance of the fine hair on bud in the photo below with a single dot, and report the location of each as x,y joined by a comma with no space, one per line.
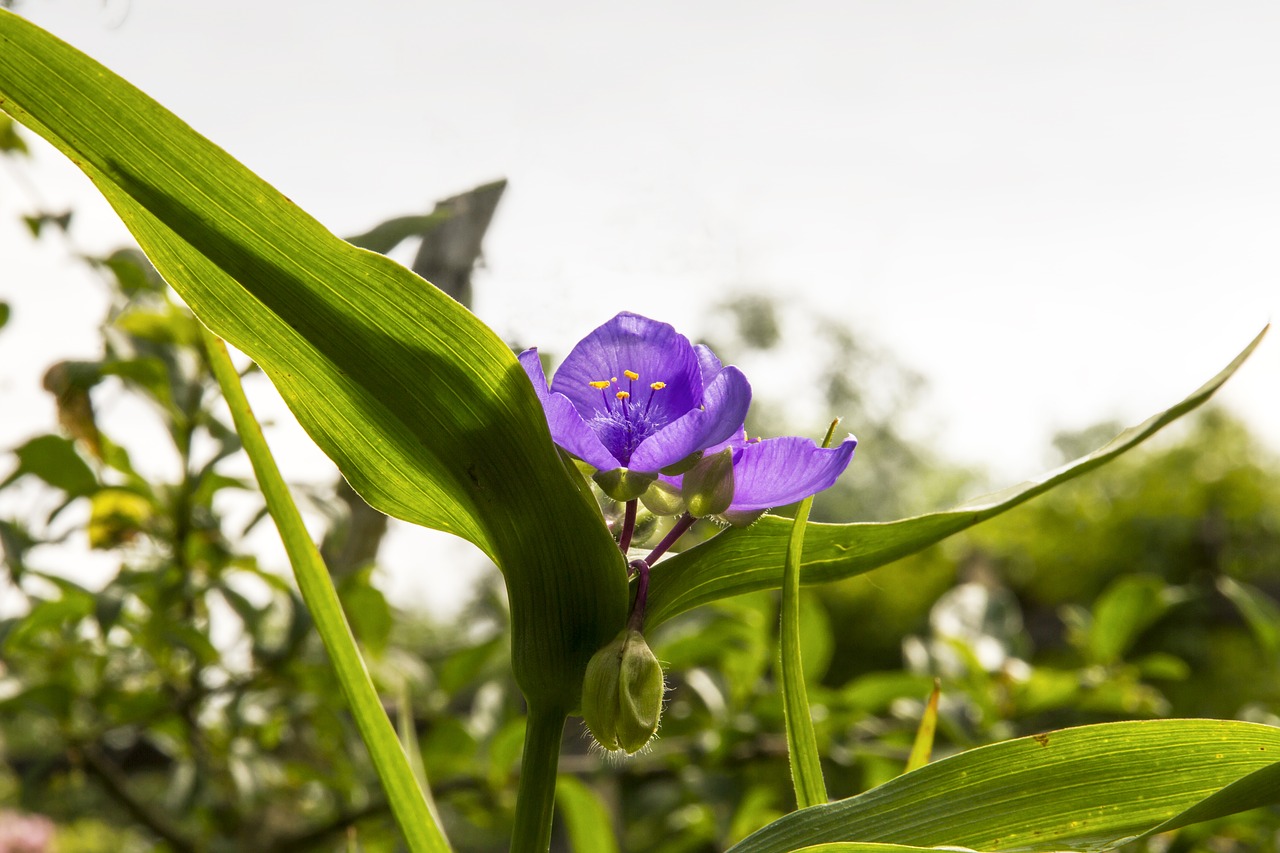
622,693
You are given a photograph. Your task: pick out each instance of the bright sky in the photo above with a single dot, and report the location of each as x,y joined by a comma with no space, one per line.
1059,212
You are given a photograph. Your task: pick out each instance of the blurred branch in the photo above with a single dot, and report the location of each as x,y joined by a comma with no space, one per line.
308,839
116,784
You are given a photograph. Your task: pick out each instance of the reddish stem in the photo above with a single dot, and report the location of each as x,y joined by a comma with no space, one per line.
677,530
628,526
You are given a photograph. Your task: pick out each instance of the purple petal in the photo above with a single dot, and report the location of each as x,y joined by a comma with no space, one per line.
781,471
655,351
708,363
568,429
719,418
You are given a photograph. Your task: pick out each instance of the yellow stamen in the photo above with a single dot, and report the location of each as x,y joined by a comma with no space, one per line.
623,395
603,384
658,386
614,379
631,374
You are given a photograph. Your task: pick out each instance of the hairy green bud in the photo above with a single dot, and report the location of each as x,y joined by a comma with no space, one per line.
622,693
708,487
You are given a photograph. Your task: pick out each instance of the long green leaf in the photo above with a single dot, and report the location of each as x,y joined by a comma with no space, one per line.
423,408
1089,788
802,741
744,560
408,800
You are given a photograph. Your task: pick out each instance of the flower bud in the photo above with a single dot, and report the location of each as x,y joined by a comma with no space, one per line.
708,487
622,693
622,484
662,499
678,468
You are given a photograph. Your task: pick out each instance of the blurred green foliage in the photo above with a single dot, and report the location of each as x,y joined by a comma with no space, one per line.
186,704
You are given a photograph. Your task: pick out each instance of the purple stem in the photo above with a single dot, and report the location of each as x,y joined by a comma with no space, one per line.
628,526
640,568
677,530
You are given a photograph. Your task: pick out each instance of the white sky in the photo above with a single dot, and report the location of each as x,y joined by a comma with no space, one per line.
1059,212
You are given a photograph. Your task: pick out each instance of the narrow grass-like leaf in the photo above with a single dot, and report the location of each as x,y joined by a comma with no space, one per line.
748,559
408,802
1089,788
424,409
802,742
408,733
922,747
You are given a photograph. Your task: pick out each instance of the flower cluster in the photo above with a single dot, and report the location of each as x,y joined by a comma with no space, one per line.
662,423
661,420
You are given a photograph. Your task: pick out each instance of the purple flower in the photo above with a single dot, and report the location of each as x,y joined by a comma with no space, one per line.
776,472
634,397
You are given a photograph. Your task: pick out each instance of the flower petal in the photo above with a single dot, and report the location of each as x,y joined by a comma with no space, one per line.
724,408
655,351
708,363
781,471
568,429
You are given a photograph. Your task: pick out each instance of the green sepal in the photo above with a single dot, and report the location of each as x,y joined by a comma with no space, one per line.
622,484
678,468
662,499
622,693
708,487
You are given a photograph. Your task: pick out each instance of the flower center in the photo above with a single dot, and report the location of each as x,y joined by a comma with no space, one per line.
623,421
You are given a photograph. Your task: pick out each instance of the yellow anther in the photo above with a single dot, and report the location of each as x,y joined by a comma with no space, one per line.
658,386
631,374
623,395
602,384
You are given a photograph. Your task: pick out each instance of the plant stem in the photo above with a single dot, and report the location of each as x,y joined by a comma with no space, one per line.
536,798
677,530
628,526
636,621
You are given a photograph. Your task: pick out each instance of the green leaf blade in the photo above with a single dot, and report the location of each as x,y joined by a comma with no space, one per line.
1089,788
745,560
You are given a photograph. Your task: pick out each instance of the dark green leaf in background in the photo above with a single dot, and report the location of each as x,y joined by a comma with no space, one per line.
54,460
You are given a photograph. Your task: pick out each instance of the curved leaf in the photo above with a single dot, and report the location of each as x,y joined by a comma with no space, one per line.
424,409
1088,788
747,559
